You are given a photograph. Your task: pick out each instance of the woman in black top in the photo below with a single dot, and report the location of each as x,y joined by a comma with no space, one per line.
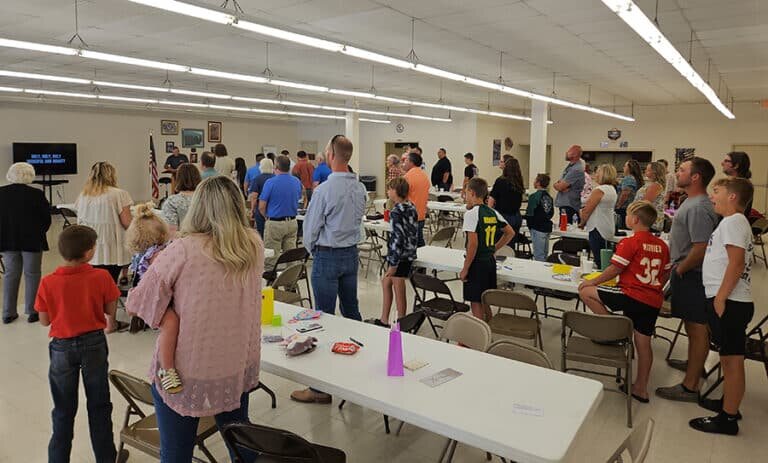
25,217
507,194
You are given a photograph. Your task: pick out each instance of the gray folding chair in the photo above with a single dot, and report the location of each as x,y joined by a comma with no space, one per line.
515,350
614,329
511,324
286,285
636,444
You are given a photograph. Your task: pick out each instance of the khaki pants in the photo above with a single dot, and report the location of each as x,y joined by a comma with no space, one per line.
279,236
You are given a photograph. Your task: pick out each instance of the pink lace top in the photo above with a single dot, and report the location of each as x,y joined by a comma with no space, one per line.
219,344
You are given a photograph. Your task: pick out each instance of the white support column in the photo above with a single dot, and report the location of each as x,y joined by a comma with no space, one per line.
538,157
352,131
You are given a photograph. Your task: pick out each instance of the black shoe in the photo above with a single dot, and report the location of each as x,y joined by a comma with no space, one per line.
715,405
718,424
642,400
378,322
10,319
33,318
678,364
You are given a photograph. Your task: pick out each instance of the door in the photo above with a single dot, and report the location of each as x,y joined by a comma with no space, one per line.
758,159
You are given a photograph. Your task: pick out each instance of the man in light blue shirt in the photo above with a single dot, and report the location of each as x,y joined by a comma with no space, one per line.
331,233
252,172
569,186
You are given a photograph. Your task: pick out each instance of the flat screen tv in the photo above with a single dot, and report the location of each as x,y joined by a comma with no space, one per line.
48,158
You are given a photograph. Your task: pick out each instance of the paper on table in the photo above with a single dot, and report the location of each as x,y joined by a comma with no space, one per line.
441,377
529,410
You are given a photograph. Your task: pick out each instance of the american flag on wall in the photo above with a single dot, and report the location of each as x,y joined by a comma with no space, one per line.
153,169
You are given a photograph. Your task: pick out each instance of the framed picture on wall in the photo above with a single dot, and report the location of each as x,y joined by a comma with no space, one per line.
168,127
169,146
214,132
496,159
192,138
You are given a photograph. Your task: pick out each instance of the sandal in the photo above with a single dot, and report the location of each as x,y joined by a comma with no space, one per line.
170,380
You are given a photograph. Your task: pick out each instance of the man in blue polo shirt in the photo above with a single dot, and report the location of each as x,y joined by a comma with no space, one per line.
322,171
279,203
252,172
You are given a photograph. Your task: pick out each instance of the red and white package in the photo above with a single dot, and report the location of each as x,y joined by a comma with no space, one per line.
345,348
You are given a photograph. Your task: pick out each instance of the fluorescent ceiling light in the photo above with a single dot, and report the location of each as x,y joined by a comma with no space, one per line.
124,98
227,75
29,75
183,103
314,42
11,89
190,10
56,93
221,96
232,76
351,93
298,85
8,43
631,14
375,121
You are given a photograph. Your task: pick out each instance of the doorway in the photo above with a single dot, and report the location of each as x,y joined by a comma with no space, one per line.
523,155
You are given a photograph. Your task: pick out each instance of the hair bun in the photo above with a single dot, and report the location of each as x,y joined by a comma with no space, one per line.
145,210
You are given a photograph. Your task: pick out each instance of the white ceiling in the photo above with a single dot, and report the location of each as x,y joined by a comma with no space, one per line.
581,42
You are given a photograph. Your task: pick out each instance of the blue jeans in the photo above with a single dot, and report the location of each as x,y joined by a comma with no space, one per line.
420,238
334,273
15,262
621,221
515,221
540,241
177,432
596,243
87,355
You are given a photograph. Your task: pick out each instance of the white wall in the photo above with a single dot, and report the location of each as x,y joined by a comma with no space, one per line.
122,138
457,137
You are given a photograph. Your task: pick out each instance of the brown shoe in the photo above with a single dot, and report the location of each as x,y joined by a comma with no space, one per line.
308,396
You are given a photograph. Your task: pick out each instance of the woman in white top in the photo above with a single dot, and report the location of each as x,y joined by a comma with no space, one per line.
597,214
653,191
225,165
107,209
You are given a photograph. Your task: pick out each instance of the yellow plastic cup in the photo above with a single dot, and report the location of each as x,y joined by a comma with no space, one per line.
267,305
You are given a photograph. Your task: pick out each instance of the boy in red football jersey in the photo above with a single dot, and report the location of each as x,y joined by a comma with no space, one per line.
75,302
642,264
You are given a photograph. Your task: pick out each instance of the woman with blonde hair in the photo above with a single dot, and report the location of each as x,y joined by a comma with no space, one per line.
653,191
597,214
25,217
107,209
212,273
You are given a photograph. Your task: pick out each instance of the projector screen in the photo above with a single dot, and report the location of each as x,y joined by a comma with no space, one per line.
48,158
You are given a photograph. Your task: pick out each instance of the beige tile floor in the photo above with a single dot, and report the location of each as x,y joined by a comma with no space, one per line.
25,404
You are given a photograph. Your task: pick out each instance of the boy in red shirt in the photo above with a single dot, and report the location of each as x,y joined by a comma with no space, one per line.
642,264
75,301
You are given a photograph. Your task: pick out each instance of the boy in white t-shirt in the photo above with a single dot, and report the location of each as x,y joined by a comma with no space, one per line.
726,276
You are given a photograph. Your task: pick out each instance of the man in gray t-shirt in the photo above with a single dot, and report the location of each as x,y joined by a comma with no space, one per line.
692,226
569,186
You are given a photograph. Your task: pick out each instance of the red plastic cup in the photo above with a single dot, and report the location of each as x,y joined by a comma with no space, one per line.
386,215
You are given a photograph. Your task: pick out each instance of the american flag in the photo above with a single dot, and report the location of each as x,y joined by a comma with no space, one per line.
153,169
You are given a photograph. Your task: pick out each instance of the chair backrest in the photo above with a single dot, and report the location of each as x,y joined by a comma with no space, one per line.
569,259
636,444
66,212
468,331
521,352
412,322
506,251
598,327
293,255
431,197
508,300
274,444
445,198
762,225
570,245
133,389
289,277
429,283
442,237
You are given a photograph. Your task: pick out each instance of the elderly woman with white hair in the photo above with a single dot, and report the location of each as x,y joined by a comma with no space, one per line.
393,168
25,217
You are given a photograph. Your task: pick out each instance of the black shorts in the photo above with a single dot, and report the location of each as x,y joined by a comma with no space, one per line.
480,278
403,269
643,316
688,299
729,332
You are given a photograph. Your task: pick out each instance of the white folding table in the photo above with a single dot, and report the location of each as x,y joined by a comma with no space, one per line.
485,407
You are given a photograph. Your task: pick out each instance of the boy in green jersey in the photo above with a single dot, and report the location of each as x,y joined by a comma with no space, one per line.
482,226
